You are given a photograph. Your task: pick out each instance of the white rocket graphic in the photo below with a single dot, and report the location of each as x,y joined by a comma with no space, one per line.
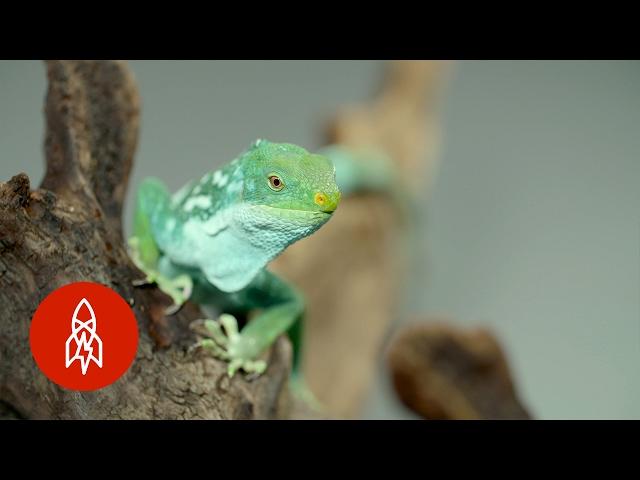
83,344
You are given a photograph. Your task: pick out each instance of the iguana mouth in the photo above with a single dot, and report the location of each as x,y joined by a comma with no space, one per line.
295,212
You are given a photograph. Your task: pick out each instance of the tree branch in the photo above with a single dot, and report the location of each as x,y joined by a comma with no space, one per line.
447,373
70,230
359,259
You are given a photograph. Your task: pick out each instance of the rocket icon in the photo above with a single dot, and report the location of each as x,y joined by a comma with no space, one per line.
83,344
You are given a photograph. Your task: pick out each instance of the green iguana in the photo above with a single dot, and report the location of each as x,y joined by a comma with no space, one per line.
211,241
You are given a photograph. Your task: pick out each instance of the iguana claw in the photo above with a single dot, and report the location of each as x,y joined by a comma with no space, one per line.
229,345
178,288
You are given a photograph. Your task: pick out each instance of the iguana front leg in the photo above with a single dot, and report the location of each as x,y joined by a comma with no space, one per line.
242,349
143,249
179,288
281,307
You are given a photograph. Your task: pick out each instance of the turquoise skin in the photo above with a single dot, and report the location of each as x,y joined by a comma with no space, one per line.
212,240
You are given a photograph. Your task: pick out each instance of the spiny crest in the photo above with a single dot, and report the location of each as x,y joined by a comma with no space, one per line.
265,149
257,143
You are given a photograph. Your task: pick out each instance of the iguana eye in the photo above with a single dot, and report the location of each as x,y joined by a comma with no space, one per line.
276,183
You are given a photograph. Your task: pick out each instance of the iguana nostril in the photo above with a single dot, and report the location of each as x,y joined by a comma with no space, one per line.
327,203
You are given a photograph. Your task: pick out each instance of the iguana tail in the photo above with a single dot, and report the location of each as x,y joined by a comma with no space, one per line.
360,170
369,170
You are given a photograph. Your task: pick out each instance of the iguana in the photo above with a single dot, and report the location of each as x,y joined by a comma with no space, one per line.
212,240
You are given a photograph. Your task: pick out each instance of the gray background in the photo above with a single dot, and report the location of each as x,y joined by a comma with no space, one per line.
533,226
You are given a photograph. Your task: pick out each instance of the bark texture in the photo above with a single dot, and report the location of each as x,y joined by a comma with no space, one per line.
70,230
445,373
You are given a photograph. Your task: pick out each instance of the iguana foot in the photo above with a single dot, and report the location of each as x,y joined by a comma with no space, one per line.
229,345
179,288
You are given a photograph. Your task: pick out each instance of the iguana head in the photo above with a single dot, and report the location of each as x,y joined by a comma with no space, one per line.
285,176
287,182
239,218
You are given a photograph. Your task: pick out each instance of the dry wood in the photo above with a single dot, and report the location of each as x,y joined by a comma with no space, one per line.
70,230
352,270
447,373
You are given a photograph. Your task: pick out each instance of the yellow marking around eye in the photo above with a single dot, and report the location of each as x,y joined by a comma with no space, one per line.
320,199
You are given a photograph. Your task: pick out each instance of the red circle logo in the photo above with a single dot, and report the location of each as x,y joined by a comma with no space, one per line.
84,336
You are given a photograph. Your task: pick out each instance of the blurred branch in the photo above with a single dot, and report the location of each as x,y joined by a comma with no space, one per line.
351,271
443,372
402,120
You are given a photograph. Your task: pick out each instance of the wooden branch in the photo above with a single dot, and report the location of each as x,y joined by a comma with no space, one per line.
70,230
358,260
402,120
93,112
443,372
